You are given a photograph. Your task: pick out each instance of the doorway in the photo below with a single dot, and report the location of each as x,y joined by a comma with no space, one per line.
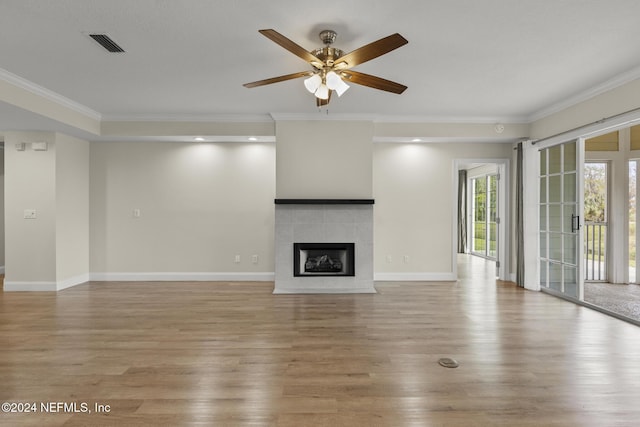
611,215
482,219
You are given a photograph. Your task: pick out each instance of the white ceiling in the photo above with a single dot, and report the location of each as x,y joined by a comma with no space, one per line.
467,60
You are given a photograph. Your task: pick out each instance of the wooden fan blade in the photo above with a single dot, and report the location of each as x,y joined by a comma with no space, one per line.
292,47
371,51
278,79
373,81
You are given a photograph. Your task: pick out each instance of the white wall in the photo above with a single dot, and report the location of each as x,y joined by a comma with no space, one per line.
30,184
72,209
201,204
615,101
324,159
413,213
2,208
49,252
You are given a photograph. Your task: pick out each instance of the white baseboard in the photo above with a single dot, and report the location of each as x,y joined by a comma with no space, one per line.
414,277
208,277
45,286
30,286
72,281
281,291
183,277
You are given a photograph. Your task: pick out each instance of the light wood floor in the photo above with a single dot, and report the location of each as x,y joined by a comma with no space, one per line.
233,354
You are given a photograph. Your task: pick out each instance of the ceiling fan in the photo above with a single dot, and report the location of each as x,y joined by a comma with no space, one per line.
331,68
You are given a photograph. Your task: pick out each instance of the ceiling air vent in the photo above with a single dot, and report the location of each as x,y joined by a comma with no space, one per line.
106,42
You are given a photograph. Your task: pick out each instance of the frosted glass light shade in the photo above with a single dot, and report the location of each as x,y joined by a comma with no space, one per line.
322,92
313,83
342,88
333,80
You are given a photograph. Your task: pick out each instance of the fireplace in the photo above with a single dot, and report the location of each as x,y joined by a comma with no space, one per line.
308,259
323,259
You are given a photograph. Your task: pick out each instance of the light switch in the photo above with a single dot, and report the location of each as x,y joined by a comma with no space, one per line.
29,214
136,213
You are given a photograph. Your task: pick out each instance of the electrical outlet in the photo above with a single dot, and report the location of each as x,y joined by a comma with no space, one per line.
406,259
237,260
254,259
389,259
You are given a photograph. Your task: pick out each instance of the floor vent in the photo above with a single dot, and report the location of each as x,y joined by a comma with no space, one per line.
447,362
106,42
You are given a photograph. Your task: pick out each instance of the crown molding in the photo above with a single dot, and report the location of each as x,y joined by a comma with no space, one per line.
50,95
453,119
376,118
197,118
446,140
188,138
617,81
323,116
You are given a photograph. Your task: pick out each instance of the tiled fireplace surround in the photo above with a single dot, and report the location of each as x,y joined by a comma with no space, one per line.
323,221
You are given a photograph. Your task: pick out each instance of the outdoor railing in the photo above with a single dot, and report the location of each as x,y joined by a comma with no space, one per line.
595,251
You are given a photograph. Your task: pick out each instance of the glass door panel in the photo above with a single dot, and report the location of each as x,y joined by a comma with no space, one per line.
492,224
484,217
555,218
555,189
569,187
479,215
555,247
559,220
555,159
633,255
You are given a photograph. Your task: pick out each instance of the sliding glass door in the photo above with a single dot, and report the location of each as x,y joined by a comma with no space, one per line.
560,219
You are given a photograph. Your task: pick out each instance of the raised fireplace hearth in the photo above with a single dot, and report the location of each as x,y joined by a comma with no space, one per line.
323,259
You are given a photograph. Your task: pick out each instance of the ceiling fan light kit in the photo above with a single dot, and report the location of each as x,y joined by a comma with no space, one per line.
331,67
322,92
313,83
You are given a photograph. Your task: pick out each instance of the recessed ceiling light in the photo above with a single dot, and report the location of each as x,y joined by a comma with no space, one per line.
253,138
198,138
416,140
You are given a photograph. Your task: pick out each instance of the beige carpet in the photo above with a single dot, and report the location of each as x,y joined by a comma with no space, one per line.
620,299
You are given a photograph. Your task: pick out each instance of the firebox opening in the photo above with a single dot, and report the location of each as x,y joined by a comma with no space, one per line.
323,259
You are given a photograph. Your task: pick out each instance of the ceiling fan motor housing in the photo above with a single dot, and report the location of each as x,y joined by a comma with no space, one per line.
326,54
328,36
